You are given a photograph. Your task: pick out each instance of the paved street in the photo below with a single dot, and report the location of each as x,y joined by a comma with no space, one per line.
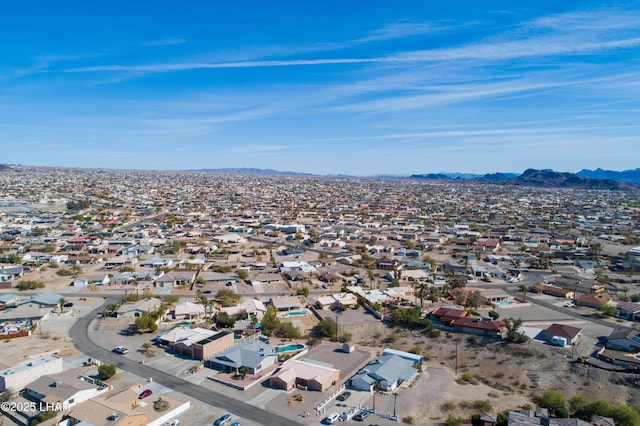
80,337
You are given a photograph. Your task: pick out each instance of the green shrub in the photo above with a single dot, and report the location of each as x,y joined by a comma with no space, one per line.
106,371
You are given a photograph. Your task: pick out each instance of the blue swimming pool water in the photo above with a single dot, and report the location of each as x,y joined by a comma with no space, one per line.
295,313
290,348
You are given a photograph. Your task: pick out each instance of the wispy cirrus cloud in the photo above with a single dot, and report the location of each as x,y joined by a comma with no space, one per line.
163,42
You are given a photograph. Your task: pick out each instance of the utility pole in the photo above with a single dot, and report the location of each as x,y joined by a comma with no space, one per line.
456,356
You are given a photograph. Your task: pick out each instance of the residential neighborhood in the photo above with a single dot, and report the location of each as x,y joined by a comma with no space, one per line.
209,293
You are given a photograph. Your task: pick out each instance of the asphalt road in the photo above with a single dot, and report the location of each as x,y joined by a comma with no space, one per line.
80,337
566,311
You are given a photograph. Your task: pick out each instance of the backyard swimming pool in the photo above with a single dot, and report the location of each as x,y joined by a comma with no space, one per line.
296,313
290,348
503,304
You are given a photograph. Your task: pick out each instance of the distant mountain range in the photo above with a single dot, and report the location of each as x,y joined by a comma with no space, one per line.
632,176
251,171
544,179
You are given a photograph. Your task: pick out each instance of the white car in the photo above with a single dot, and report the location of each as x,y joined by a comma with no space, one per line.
569,305
331,419
120,350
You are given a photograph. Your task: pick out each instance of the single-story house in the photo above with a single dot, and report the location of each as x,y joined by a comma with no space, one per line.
478,325
267,278
42,300
212,345
25,315
132,310
19,376
130,278
572,335
217,277
193,342
255,355
494,295
287,303
628,310
446,315
624,339
66,389
111,408
233,238
390,371
8,300
94,279
10,273
312,376
248,306
552,290
336,300
408,275
593,300
119,262
157,262
176,279
188,311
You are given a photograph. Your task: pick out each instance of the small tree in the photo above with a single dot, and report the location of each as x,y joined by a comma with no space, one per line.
146,346
106,371
224,320
242,274
303,291
270,321
227,297
326,328
62,302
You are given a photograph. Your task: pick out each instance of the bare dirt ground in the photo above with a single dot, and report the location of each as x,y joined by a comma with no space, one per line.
507,373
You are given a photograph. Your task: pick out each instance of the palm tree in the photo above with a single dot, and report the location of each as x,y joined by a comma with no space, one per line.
62,302
376,388
523,288
422,292
395,398
146,346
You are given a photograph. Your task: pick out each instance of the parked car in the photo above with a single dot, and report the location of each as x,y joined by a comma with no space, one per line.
361,416
344,396
145,394
569,304
68,305
222,420
120,350
331,419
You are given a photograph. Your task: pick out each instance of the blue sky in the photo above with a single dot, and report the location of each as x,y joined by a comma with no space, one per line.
326,87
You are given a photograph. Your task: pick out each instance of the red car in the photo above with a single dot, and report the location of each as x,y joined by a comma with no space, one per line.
145,393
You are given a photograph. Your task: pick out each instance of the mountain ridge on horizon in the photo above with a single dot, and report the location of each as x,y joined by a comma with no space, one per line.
585,178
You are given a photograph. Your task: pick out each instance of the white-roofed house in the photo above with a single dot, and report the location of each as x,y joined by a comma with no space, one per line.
248,306
188,311
313,376
133,310
66,389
